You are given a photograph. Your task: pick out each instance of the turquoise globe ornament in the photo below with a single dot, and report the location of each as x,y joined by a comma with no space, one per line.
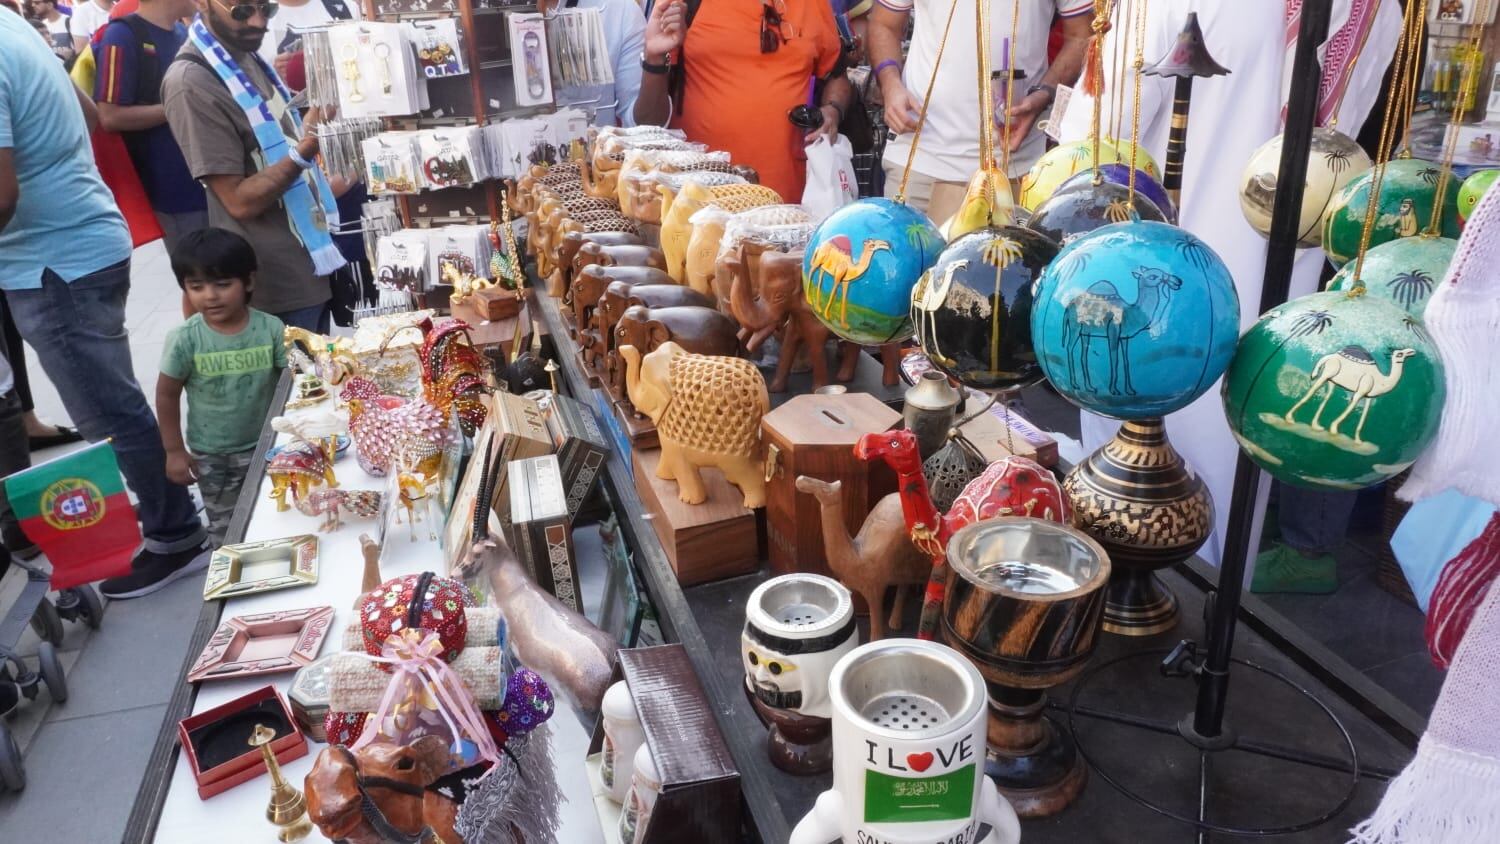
1145,184
1081,205
1335,391
972,310
861,265
1135,320
1404,271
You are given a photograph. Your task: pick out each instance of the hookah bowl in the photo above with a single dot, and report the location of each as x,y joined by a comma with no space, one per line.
1138,498
908,734
1024,604
797,626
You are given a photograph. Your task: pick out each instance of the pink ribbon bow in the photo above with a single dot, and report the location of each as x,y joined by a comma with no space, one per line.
416,657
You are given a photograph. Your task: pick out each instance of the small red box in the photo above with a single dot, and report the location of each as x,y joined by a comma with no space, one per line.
212,740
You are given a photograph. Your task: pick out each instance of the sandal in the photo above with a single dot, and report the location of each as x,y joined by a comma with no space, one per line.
64,436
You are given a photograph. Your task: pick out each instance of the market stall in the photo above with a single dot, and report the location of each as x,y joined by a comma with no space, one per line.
864,598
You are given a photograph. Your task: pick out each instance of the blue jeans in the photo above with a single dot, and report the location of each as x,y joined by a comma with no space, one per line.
1314,521
318,319
78,331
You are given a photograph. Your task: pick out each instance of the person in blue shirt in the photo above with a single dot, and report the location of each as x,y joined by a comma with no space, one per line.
133,55
65,269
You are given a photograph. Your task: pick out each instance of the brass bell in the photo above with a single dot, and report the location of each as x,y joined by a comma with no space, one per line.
288,808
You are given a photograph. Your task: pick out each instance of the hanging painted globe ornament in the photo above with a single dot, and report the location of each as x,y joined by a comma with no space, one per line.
1404,271
1333,391
1064,161
1334,160
1135,320
1473,188
1407,193
861,265
1081,206
972,310
1145,184
987,202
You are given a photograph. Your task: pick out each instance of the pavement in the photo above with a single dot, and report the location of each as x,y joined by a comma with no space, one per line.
84,758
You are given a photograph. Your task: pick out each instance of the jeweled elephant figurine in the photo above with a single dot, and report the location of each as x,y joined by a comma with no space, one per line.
298,468
707,412
570,239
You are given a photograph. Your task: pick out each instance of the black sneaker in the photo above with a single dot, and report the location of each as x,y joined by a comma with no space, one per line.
151,571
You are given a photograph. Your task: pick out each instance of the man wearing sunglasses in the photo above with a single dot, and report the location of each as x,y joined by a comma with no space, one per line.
262,186
743,67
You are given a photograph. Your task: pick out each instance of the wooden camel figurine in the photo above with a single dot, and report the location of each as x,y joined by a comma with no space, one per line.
380,793
1014,486
880,555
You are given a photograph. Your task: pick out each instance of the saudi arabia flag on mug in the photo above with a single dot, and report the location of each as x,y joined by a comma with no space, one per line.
76,509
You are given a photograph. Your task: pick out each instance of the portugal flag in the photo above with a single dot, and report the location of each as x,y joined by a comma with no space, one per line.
76,509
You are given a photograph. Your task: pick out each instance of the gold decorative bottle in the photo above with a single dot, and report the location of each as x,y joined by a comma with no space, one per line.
288,808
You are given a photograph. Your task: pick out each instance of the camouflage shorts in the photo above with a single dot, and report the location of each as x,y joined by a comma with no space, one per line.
220,477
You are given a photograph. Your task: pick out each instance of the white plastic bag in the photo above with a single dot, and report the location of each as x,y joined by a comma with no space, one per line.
831,183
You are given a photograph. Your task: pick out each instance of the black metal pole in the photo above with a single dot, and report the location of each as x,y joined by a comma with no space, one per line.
1286,214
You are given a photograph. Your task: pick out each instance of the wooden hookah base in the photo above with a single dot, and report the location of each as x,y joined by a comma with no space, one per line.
1137,603
797,744
1034,762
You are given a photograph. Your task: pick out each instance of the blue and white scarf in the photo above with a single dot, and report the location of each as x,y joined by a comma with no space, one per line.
309,201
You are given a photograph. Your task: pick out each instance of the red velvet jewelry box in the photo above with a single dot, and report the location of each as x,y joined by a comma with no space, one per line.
217,742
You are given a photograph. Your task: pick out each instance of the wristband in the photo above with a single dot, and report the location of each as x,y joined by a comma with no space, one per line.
297,158
887,63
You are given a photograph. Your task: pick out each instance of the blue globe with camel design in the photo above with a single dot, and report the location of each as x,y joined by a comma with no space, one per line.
1135,320
861,265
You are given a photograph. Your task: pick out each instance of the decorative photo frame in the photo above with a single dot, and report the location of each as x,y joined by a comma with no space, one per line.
266,643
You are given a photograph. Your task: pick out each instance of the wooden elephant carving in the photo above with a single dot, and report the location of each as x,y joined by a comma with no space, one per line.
678,208
567,249
697,329
707,412
590,281
620,295
624,255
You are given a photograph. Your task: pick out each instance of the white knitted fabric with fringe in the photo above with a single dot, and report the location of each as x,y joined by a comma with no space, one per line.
1450,793
1463,318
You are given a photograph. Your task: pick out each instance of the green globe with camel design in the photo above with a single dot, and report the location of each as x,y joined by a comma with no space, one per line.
1333,391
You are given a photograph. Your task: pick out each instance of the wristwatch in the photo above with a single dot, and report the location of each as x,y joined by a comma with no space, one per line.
1042,86
658,69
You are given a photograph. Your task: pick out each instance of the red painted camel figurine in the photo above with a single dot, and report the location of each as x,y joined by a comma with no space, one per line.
1014,486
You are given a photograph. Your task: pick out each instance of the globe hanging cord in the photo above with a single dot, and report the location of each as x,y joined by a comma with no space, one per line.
1468,82
1408,45
1135,112
916,134
1093,76
1121,54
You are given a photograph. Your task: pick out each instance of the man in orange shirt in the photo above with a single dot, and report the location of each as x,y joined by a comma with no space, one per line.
745,66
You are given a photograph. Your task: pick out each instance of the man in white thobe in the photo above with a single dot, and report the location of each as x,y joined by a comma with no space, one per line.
1231,117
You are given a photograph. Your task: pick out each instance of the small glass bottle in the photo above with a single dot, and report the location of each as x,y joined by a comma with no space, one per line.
623,735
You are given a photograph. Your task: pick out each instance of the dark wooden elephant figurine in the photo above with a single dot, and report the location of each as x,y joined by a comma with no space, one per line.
696,329
620,296
765,293
624,255
590,281
567,249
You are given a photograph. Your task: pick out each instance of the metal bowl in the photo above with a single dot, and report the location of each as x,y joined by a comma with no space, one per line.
907,689
1025,599
799,606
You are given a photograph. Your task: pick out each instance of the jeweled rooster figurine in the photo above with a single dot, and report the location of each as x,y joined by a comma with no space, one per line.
1014,486
453,373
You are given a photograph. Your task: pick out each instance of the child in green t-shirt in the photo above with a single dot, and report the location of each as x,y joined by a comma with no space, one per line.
228,356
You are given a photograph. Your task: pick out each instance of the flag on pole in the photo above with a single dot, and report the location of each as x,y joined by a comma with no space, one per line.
76,510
